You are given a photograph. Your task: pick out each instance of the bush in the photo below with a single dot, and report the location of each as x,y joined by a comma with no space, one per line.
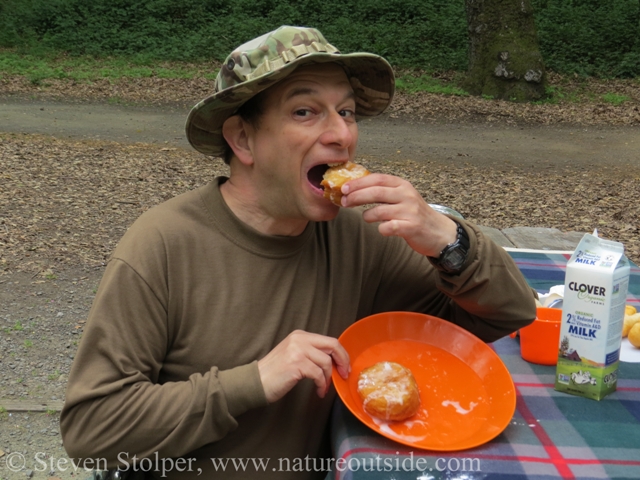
588,37
409,32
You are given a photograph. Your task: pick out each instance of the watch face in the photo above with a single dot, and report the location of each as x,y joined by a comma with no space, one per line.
454,259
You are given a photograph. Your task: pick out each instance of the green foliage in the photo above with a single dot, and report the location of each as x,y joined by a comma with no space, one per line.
590,37
615,99
407,32
556,94
425,83
86,68
587,37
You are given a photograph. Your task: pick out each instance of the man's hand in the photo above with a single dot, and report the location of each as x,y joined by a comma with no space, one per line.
402,211
302,355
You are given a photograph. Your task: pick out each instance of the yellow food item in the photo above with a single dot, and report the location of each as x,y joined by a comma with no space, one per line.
629,322
629,310
389,391
338,175
634,335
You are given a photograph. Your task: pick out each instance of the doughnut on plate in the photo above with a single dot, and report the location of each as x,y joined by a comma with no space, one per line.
467,396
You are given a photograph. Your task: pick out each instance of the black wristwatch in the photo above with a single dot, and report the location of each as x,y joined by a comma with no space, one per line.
453,256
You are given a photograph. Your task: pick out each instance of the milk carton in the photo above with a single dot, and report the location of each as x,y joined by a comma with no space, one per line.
595,292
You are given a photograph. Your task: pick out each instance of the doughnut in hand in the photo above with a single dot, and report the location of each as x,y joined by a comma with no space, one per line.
338,175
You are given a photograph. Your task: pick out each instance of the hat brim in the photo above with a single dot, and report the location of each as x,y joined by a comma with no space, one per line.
370,75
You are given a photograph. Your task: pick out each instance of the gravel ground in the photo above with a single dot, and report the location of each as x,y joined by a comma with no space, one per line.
41,319
64,205
36,451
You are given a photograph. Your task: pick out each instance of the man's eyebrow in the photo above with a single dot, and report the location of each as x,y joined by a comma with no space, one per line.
300,91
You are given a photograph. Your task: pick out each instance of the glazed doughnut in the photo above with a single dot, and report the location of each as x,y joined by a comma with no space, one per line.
338,175
388,391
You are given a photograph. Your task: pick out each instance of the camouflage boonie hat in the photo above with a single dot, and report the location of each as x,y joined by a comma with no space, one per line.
263,61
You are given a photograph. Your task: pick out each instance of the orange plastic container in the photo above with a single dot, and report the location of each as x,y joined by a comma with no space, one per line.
540,341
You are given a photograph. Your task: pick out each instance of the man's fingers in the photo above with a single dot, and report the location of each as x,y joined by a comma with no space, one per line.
369,181
302,355
383,213
374,194
378,188
318,375
323,361
401,211
341,359
320,367
336,352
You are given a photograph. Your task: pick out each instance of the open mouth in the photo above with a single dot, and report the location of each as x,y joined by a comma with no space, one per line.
315,175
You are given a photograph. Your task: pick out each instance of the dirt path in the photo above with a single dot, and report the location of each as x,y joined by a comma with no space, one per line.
475,143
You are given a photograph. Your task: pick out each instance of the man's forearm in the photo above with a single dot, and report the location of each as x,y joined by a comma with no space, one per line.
491,296
173,419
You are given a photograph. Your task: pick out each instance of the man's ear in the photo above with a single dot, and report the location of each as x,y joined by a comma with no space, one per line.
234,131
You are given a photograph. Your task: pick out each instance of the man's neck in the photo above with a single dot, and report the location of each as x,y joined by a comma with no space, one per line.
245,205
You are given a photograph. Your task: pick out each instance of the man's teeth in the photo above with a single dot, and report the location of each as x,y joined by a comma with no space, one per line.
336,164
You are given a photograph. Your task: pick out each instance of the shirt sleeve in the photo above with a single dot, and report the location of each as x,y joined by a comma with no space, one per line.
489,297
114,402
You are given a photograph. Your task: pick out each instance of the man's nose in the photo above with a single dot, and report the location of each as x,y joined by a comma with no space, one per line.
338,132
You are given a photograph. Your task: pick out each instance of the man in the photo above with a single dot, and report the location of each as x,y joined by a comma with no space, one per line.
213,333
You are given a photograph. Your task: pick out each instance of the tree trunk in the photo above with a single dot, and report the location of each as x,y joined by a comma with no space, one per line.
504,57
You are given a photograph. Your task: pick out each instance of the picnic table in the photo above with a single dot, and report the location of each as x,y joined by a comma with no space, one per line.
552,435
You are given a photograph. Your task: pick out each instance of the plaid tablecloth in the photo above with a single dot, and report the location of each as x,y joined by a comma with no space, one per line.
551,435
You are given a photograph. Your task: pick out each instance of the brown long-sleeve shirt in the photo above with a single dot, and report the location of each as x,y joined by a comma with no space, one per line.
192,298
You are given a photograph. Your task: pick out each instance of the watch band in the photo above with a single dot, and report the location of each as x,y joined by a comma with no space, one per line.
453,256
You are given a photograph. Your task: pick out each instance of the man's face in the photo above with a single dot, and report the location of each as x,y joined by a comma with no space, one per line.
308,122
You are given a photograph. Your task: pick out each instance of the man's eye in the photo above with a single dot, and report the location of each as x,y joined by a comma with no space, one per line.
347,113
302,112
